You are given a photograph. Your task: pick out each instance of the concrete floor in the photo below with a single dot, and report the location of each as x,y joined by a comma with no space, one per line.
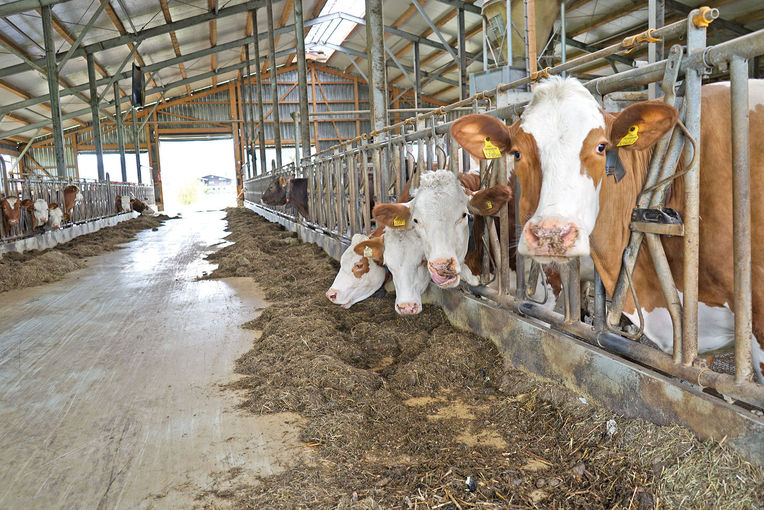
109,381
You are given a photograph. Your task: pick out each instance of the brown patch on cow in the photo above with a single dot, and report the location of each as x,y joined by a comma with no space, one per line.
490,201
592,162
377,247
395,216
471,182
653,118
471,132
528,171
361,267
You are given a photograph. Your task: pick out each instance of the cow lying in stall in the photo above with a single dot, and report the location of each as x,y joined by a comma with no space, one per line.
292,191
559,147
141,207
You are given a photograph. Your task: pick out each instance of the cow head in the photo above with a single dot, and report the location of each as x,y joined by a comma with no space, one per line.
361,272
558,150
405,259
39,211
11,207
55,216
275,193
438,213
124,204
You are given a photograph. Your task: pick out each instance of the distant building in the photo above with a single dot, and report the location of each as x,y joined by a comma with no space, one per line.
215,181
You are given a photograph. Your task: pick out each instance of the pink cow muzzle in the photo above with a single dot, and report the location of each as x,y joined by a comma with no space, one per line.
550,238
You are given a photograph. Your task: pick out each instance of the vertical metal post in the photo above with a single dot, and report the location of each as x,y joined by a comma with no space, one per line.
137,145
696,42
274,83
51,71
530,36
463,91
563,37
249,121
95,114
485,47
417,78
375,48
599,303
302,80
120,133
259,90
651,24
508,33
741,224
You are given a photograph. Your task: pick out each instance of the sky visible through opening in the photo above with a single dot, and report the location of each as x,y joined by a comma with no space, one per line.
334,31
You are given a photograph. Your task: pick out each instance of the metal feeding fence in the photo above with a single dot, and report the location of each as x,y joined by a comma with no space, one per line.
343,179
99,199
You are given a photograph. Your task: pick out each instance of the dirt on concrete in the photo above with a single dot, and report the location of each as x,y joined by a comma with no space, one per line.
408,412
36,267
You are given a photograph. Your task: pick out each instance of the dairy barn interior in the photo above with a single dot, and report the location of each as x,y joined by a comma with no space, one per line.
412,254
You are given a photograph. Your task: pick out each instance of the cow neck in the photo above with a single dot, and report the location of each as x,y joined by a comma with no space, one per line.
617,199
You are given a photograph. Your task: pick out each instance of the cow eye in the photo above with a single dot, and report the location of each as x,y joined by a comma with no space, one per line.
464,215
517,155
601,148
416,220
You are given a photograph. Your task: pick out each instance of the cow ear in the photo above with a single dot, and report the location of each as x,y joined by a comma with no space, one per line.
471,182
489,201
483,136
641,125
394,216
373,249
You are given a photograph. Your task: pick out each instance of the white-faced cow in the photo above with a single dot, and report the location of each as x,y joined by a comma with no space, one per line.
360,274
39,211
570,206
438,213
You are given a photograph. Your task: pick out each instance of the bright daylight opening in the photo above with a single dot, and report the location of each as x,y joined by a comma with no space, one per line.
197,175
87,165
334,31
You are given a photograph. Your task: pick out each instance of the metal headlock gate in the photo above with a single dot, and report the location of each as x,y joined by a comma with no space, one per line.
634,379
99,199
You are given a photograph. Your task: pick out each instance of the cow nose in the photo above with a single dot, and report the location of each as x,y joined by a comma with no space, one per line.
550,237
443,267
331,294
407,308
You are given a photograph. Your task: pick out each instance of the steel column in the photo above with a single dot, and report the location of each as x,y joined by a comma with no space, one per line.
120,134
563,37
302,79
417,77
259,91
249,121
95,115
741,225
463,91
376,50
52,76
274,84
137,145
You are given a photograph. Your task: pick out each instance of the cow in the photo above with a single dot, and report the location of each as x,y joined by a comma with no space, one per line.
360,275
72,198
11,208
55,216
570,207
292,191
38,209
438,213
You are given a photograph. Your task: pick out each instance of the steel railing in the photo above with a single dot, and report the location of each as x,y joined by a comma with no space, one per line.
344,179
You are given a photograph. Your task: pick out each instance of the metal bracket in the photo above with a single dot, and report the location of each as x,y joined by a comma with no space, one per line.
664,221
671,74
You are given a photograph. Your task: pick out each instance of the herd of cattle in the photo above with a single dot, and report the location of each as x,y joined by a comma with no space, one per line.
569,207
49,216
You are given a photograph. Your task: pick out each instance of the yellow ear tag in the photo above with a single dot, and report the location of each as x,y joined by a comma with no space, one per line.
490,151
488,205
399,222
630,137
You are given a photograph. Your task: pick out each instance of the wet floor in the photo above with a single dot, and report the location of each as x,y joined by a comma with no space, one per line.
110,380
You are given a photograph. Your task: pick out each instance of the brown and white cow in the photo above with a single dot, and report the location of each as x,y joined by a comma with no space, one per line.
123,203
38,209
11,209
570,207
361,273
72,198
55,216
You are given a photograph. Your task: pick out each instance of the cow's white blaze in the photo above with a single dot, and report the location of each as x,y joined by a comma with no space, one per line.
403,257
439,216
560,116
125,203
349,288
12,201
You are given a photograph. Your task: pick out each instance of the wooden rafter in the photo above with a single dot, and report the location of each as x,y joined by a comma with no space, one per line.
174,39
122,31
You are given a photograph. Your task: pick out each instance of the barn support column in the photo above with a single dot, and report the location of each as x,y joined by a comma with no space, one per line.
156,171
259,90
302,79
95,115
244,124
463,91
417,78
51,71
137,145
251,98
375,48
120,133
274,84
563,37
235,135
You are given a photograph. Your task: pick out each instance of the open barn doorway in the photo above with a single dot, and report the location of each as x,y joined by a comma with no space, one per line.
197,175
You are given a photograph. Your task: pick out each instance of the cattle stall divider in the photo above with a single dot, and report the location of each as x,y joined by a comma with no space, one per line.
99,202
665,388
